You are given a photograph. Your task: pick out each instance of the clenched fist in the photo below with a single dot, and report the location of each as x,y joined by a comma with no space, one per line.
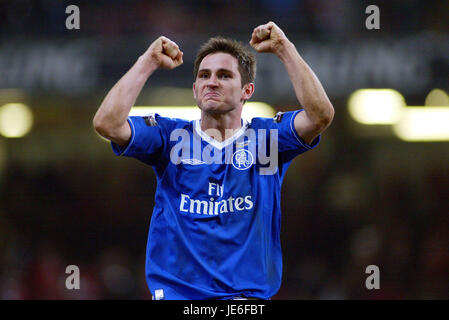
164,53
268,38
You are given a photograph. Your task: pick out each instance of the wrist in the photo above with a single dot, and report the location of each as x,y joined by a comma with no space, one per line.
148,62
287,51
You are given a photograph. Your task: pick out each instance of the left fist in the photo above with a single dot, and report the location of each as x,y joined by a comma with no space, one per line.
268,38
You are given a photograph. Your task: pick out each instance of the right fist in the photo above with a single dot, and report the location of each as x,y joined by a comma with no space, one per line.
165,53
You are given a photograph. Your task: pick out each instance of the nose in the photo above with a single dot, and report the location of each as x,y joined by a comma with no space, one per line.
212,82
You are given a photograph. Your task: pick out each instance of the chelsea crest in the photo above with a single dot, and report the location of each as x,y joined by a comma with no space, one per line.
242,159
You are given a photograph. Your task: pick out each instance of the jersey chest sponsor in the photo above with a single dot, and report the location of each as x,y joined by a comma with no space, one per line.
213,206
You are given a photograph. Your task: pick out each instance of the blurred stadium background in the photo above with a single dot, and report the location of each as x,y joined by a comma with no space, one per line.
375,192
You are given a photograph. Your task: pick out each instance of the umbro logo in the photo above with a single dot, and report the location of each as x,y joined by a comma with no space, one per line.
193,162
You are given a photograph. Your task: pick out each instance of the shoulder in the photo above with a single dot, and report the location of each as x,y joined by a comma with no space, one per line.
281,118
165,123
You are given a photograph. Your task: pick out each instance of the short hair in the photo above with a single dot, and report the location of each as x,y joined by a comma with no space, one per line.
246,60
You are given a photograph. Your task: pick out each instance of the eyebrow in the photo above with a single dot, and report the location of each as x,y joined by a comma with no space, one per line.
219,70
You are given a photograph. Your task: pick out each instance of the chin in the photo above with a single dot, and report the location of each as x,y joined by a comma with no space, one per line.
212,107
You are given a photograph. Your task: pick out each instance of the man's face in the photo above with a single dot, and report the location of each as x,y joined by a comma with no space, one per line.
218,85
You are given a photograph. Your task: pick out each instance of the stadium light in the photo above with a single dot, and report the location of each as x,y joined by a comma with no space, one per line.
180,112
409,123
423,124
250,110
16,120
437,97
257,110
376,106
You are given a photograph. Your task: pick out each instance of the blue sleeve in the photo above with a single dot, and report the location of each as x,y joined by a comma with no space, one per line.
147,141
290,142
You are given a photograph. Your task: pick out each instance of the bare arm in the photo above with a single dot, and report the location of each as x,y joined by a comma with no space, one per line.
318,110
110,121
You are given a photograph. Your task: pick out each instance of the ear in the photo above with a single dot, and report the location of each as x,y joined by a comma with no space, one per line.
247,91
194,91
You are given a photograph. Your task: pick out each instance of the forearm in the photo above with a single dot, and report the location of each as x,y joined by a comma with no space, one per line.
117,104
308,89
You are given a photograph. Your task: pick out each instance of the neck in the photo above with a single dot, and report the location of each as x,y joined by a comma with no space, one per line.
220,126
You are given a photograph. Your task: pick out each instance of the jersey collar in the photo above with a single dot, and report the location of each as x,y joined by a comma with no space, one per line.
215,143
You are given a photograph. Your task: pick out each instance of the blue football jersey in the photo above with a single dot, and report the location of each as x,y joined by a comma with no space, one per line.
215,228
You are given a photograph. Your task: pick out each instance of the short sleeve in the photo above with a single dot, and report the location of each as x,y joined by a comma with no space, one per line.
147,140
290,143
